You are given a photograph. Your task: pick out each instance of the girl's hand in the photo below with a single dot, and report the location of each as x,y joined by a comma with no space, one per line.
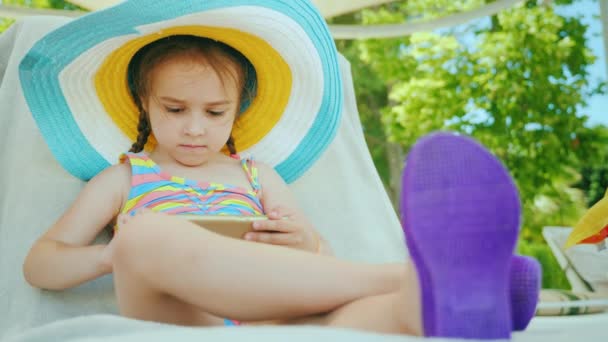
106,256
286,228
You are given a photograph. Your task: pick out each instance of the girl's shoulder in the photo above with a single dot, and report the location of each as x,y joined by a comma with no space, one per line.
114,180
129,156
267,175
119,173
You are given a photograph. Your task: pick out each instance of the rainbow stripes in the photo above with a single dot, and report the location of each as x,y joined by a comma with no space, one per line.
154,189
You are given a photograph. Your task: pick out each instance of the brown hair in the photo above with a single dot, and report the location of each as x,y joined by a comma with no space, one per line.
222,58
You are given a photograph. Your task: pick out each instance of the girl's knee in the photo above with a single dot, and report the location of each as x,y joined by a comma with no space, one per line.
135,241
150,238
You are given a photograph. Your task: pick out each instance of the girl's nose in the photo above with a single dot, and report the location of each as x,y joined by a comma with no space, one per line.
195,126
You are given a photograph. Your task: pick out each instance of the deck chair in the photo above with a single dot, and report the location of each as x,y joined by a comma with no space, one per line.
585,267
355,215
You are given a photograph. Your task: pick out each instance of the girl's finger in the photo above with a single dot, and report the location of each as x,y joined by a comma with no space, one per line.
284,226
280,212
283,239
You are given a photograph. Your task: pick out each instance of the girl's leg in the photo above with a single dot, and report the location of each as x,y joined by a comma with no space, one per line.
137,300
160,258
397,312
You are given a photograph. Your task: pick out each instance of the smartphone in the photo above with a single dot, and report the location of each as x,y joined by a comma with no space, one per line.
228,225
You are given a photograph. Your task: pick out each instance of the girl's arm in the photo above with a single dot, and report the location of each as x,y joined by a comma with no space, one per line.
276,194
62,257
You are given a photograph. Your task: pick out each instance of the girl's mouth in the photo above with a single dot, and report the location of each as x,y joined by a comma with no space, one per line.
193,147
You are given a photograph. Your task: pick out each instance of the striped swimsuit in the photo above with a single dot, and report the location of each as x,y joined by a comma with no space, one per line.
161,192
154,189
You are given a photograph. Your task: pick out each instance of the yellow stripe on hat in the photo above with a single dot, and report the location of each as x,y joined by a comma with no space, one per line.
274,83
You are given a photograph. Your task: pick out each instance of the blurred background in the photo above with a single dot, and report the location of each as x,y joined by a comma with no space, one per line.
529,82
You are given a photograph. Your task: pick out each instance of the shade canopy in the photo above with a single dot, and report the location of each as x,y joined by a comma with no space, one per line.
328,8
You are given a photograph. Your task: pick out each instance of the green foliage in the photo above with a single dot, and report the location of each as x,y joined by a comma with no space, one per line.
516,82
5,23
55,4
61,4
595,182
594,173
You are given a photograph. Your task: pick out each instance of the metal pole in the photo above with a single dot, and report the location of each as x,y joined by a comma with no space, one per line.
604,18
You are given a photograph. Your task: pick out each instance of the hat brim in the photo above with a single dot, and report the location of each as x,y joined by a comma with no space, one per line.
74,79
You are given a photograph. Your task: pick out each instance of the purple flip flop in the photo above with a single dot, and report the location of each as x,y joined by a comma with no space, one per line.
460,213
525,290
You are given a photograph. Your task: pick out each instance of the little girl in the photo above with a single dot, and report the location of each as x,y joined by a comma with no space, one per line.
460,215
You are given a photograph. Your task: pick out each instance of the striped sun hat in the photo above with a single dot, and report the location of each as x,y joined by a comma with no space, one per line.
75,79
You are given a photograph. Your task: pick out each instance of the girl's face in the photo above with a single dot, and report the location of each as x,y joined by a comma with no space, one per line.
191,110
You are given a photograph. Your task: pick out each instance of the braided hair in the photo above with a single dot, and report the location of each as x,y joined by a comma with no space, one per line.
144,131
230,145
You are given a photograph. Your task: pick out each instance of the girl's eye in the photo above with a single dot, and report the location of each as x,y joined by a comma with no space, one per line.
215,113
173,109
